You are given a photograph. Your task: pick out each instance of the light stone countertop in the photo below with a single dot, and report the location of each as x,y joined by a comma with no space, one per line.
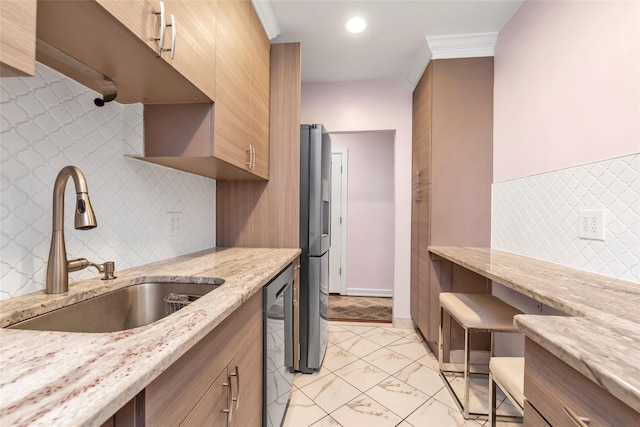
600,338
60,378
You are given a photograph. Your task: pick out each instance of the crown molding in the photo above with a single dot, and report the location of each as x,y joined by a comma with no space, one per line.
473,45
267,17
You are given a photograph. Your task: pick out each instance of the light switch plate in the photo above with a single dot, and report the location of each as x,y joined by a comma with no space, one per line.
591,224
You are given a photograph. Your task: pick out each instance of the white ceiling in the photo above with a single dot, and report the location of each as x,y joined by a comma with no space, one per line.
395,38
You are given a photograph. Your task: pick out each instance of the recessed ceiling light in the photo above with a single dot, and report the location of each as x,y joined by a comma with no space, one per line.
356,24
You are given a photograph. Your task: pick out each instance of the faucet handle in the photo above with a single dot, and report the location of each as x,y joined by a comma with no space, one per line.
107,269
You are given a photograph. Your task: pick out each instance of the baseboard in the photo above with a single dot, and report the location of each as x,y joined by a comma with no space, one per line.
401,323
359,292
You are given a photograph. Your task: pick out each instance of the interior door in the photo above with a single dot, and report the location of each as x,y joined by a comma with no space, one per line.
336,269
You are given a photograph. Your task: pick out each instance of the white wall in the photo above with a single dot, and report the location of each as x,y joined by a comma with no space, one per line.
566,138
567,86
50,121
366,106
371,208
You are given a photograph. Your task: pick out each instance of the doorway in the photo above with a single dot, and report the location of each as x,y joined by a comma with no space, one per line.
362,255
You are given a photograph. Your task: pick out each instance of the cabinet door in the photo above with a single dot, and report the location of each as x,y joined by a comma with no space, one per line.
139,17
245,379
260,49
424,293
195,45
17,38
214,408
233,89
414,253
421,127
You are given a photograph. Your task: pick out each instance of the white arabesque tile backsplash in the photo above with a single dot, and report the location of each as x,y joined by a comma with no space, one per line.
537,216
50,121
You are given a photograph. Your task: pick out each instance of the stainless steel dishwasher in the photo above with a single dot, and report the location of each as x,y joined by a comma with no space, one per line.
277,347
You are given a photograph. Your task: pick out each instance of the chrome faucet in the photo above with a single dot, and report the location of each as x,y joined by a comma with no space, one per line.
58,267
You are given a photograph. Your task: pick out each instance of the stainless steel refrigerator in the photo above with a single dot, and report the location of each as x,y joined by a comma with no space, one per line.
315,240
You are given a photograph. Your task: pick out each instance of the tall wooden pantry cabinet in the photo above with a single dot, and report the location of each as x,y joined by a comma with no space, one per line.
451,185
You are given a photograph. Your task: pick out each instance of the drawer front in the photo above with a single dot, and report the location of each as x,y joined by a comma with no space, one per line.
172,396
559,393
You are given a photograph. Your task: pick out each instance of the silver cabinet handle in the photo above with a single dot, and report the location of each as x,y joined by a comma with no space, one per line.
173,37
577,420
160,38
229,404
253,157
251,164
230,399
236,399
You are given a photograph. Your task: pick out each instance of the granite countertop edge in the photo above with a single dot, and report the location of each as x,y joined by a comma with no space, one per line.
60,378
599,337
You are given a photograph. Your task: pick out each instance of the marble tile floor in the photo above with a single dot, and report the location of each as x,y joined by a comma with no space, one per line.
376,375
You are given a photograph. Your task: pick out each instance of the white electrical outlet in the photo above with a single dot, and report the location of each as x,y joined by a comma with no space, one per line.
173,225
591,224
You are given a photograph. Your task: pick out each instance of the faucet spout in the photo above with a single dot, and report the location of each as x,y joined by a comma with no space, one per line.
58,266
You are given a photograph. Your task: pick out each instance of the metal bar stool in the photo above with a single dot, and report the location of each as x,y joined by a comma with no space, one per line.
508,374
475,313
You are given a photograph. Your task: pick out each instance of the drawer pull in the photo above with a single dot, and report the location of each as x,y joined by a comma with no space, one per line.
229,411
577,420
160,38
237,398
173,37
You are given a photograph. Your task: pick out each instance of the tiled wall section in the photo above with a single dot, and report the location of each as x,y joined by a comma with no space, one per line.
50,121
537,216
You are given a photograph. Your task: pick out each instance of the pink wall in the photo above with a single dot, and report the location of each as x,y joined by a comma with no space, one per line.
567,86
371,205
374,105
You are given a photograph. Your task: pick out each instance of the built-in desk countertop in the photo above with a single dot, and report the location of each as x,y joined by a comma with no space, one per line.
601,336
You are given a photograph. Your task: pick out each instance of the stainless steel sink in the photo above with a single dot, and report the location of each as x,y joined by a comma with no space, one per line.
126,308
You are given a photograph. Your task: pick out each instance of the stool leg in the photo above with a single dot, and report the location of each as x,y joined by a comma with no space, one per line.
467,371
440,344
492,401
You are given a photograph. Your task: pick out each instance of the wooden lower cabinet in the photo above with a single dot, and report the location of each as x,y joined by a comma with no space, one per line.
192,389
561,394
235,397
213,409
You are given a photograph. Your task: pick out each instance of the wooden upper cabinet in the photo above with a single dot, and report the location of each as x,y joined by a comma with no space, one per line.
140,17
195,34
17,38
232,131
260,55
195,44
242,88
118,40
